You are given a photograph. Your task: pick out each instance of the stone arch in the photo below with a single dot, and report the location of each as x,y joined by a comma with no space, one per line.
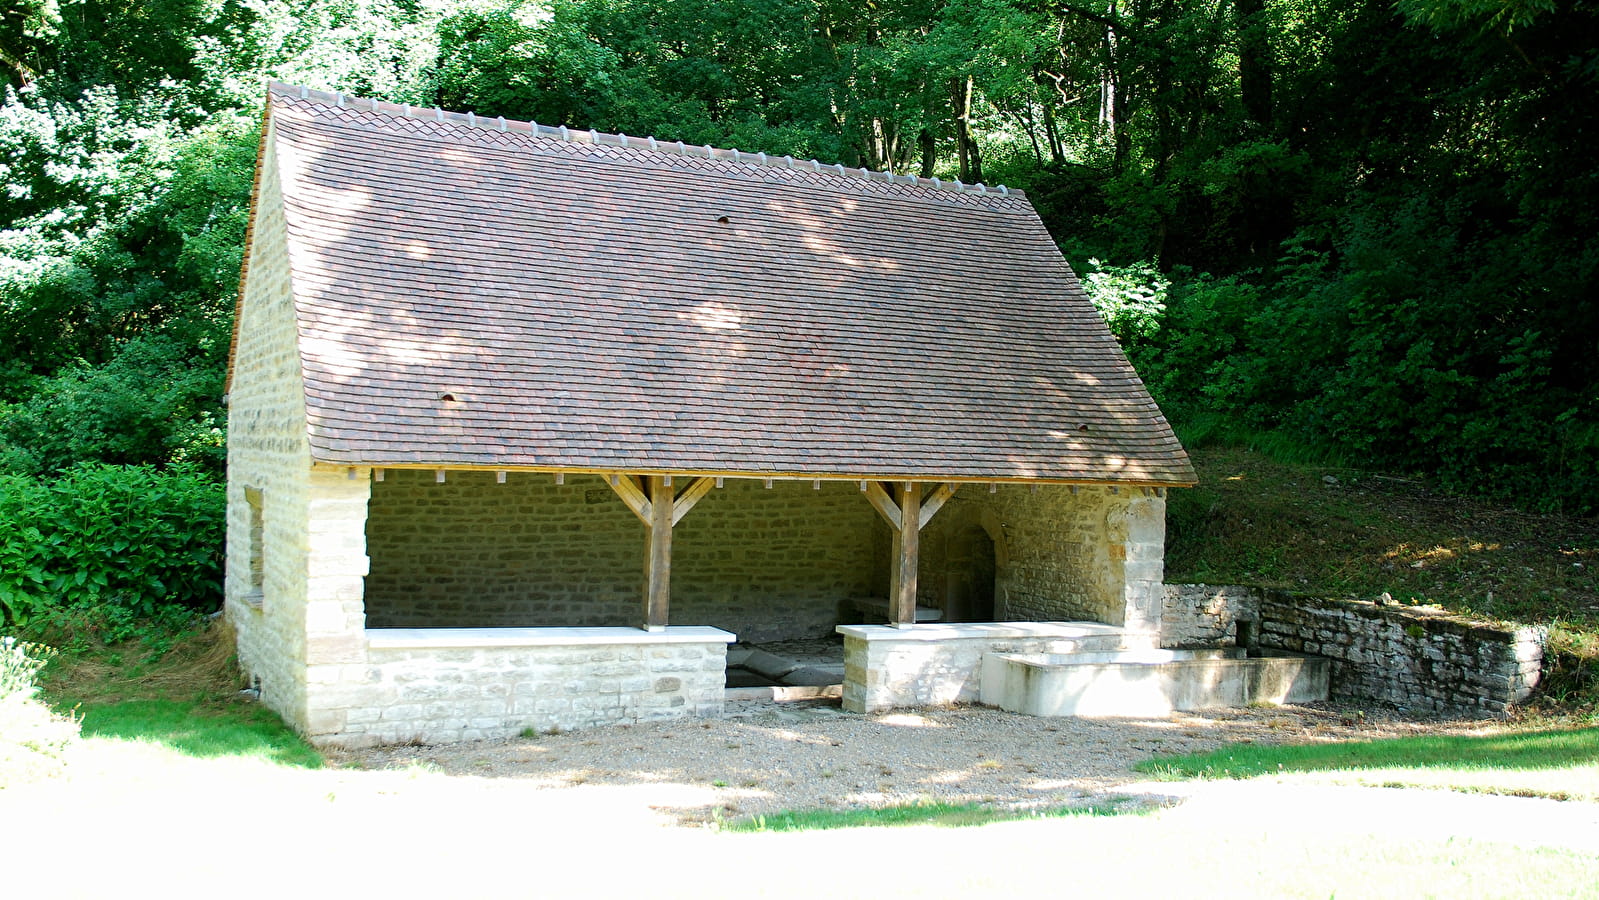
976,567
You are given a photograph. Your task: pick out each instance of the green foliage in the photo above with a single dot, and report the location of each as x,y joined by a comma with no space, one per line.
126,541
1373,232
1131,298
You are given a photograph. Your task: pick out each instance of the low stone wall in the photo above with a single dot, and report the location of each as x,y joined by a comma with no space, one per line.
443,685
1411,658
933,665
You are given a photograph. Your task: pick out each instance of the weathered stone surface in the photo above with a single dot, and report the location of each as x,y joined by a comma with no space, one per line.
1206,615
931,665
447,694
1411,658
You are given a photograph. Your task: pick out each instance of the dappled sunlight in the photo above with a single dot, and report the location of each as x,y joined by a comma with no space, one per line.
908,720
1420,557
714,315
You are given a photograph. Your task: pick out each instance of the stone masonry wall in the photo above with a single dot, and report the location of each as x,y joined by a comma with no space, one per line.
444,694
1414,659
1090,554
1207,615
268,451
933,665
1434,663
764,564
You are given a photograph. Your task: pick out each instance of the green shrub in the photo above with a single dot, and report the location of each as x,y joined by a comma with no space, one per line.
32,738
123,542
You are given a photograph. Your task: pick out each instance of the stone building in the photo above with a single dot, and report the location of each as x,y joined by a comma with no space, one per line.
526,424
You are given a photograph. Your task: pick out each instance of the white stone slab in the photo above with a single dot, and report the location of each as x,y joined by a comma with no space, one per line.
421,638
935,632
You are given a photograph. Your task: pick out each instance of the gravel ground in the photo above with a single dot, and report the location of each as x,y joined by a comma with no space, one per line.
765,757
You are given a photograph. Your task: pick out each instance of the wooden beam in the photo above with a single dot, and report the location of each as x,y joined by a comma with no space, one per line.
628,488
658,555
691,495
902,593
883,503
935,501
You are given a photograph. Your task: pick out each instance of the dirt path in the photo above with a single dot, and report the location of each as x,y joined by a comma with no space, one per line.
767,757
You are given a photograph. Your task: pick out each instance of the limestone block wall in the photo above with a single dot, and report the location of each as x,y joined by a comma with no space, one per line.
1410,658
1207,615
1086,554
444,686
933,665
1435,663
766,564
268,452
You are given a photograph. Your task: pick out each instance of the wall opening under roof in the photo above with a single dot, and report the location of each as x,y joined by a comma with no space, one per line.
765,564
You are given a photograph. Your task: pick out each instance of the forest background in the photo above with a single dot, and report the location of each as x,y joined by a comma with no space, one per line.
1364,230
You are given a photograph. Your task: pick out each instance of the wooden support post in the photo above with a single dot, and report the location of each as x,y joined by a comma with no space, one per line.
902,593
658,555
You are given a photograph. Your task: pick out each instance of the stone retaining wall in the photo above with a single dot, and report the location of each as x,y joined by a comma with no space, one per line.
1411,658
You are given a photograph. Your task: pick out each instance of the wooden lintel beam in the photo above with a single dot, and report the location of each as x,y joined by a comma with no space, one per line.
935,501
691,495
884,504
632,493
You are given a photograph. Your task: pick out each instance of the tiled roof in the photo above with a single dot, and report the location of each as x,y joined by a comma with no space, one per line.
591,303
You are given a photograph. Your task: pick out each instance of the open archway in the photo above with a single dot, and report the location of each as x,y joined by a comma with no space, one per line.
972,576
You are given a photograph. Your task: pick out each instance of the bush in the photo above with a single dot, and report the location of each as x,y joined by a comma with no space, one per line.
32,738
123,542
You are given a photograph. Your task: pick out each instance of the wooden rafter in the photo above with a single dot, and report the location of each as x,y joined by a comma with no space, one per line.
632,493
935,501
884,504
691,495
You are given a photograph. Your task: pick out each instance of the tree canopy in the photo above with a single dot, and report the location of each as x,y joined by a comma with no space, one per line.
1360,227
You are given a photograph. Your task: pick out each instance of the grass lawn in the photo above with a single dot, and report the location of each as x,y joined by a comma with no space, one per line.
947,815
1562,764
201,729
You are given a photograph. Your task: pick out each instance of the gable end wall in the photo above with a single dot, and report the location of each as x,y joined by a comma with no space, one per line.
309,606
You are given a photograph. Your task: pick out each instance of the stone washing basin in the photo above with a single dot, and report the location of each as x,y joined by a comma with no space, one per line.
1139,683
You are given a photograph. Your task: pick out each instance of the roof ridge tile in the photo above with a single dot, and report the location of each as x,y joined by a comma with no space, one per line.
631,142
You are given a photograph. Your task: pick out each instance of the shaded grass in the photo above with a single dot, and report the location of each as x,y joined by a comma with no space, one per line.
1559,763
177,690
948,815
201,729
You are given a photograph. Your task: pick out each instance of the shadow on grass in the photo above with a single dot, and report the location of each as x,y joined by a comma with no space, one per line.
1528,751
201,730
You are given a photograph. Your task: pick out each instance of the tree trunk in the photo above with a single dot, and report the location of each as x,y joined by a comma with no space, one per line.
1254,61
971,161
1057,152
929,148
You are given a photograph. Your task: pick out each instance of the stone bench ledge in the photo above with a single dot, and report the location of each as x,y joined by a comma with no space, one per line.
425,638
934,632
